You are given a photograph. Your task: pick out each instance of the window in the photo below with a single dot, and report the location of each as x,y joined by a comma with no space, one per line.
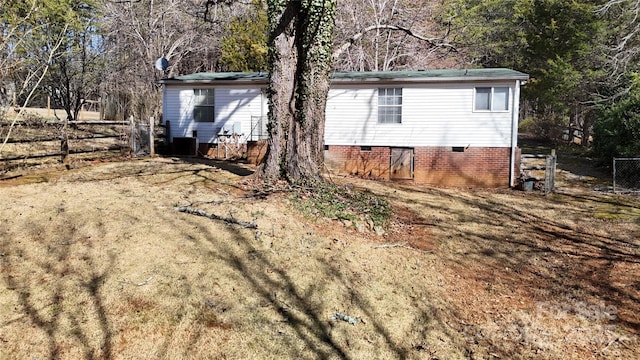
203,105
389,106
492,99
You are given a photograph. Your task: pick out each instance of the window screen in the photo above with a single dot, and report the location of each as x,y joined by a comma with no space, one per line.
203,109
390,105
483,98
492,99
500,99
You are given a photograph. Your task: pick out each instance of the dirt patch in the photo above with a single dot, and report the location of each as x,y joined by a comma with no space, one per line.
97,263
409,225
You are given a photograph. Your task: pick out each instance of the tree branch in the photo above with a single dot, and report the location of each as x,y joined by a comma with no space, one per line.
44,72
194,211
289,13
433,42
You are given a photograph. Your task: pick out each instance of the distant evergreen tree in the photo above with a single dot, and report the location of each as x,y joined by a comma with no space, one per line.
617,129
562,44
244,47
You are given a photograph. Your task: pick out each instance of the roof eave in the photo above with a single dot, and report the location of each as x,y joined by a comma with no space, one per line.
380,79
431,79
211,82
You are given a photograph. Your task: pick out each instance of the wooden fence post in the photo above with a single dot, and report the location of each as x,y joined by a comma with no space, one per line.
152,150
64,141
64,145
133,135
550,173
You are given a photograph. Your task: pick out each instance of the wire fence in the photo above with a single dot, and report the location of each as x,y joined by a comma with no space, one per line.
626,174
258,128
141,137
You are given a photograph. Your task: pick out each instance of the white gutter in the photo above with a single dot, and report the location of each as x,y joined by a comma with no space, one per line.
514,131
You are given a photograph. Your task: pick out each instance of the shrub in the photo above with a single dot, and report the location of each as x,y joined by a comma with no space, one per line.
343,202
617,129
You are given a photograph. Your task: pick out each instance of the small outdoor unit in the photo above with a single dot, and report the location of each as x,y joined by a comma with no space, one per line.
184,146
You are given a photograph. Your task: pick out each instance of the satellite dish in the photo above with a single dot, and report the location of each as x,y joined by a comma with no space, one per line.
162,64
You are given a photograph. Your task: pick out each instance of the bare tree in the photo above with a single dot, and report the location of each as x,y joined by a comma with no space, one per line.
138,33
626,48
382,35
77,69
17,35
301,56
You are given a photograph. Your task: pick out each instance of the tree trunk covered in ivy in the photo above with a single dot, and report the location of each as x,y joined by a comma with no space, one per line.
300,60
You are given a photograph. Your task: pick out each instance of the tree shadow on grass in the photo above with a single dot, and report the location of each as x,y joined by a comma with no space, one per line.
553,250
299,298
230,166
49,285
157,171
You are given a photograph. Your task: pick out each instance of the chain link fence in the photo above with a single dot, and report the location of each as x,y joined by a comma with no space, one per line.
626,174
141,137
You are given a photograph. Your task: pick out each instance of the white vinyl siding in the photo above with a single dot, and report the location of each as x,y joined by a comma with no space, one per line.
432,115
435,114
491,99
234,107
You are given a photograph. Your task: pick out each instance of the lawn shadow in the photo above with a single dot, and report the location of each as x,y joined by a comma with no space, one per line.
50,282
288,294
541,248
167,169
233,167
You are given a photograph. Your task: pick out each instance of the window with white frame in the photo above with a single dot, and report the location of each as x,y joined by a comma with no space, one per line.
203,105
491,99
389,105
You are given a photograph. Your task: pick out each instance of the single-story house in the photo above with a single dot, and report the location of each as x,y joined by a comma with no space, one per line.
442,127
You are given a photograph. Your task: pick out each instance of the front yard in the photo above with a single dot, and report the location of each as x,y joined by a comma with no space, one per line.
97,263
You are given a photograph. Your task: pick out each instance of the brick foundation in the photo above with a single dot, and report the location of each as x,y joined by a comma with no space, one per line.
352,160
223,151
475,167
256,151
253,151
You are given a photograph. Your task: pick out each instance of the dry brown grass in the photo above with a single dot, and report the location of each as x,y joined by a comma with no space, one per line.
97,264
50,114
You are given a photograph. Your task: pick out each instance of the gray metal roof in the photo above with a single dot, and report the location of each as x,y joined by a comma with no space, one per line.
221,76
456,75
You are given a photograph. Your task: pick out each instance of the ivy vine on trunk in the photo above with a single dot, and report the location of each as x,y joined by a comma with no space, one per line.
300,60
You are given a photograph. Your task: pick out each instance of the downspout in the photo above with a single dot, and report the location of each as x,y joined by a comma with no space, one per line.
514,132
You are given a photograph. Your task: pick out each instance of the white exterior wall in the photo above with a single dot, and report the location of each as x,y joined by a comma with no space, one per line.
432,115
232,104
